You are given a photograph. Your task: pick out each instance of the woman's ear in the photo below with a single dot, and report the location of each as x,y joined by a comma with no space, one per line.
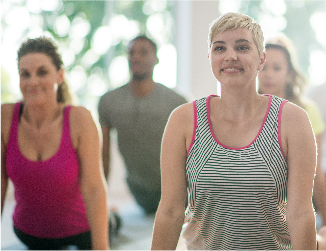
60,76
262,61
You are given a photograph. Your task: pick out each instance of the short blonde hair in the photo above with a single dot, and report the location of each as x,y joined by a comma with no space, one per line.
232,21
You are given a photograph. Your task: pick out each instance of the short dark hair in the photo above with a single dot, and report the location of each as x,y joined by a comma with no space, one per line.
143,37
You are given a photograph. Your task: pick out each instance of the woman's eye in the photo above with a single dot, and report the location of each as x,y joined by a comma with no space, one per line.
218,48
24,74
243,48
42,72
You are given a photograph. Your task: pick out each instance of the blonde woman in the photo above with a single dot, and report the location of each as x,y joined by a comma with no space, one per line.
241,156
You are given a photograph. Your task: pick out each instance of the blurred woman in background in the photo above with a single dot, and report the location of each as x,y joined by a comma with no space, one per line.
281,77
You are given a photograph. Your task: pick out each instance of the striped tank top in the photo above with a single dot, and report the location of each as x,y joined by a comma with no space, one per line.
237,196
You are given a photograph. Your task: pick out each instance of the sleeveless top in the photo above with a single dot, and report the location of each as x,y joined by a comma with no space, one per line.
237,196
49,203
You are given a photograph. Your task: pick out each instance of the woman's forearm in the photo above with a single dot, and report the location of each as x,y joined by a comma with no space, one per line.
97,214
303,231
167,228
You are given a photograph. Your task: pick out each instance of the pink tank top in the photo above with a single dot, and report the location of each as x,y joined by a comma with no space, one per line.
49,203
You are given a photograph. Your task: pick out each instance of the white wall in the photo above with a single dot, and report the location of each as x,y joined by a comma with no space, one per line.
194,75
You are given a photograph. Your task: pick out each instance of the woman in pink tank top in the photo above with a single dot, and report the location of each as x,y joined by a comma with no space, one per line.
51,152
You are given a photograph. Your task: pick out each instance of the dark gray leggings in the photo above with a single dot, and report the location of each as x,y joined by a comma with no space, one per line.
81,241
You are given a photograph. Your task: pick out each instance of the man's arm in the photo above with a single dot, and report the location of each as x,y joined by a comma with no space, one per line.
106,157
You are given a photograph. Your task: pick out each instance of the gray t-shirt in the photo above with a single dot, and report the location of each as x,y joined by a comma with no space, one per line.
140,124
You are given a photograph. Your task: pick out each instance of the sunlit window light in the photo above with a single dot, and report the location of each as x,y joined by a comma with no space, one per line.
79,28
96,84
89,58
76,78
51,5
102,40
34,6
317,22
271,24
122,28
155,24
68,57
229,6
276,7
166,71
152,6
37,31
22,22
76,45
317,67
62,25
119,71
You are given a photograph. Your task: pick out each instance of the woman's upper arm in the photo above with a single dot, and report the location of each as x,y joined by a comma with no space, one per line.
174,154
85,132
301,157
6,117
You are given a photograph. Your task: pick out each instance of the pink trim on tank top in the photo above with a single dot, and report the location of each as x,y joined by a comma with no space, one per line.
279,127
211,129
195,126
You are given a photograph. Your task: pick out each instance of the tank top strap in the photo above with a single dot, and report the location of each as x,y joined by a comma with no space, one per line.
66,135
275,109
202,106
14,123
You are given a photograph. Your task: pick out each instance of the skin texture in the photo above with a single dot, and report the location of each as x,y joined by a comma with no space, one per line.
272,80
142,60
39,137
235,62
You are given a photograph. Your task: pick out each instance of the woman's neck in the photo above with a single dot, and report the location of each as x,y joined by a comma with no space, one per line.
39,115
239,104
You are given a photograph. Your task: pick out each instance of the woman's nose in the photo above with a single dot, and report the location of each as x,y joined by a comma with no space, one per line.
32,80
231,55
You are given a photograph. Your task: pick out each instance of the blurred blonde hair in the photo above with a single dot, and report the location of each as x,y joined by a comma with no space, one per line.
232,21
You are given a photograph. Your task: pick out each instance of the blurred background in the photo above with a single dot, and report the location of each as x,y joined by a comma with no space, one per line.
92,38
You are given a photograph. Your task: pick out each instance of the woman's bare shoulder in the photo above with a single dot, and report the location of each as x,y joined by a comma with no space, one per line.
181,121
7,111
295,119
79,112
183,112
81,119
293,113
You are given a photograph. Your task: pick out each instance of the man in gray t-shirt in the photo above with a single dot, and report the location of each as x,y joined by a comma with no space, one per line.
139,112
